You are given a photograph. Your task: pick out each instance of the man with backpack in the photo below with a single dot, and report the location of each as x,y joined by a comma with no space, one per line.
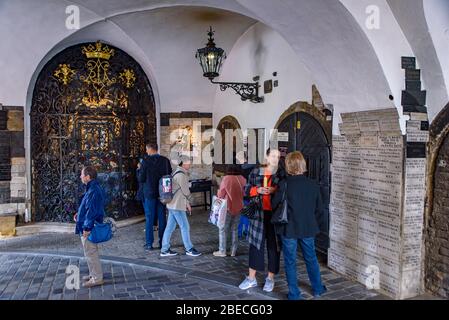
178,206
152,169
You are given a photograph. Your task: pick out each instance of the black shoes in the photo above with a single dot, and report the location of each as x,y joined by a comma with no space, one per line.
168,253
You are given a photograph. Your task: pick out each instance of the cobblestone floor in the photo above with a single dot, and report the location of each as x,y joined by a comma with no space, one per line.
33,267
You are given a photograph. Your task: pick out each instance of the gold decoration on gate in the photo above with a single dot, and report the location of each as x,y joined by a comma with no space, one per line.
97,78
128,78
99,51
64,73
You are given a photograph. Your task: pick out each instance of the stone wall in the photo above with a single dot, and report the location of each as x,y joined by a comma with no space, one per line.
377,202
12,161
437,232
173,125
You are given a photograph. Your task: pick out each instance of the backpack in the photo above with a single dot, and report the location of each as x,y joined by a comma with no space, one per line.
166,193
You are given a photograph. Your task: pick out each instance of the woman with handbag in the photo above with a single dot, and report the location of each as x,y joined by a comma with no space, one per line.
231,190
262,184
304,210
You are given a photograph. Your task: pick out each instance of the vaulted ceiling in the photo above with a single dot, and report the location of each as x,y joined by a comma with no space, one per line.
353,68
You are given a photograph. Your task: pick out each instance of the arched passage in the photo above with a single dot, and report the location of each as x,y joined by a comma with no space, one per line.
92,105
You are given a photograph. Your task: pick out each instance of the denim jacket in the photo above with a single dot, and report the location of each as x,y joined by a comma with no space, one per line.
91,209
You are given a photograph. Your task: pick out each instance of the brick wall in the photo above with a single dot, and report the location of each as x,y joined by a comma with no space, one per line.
437,244
12,160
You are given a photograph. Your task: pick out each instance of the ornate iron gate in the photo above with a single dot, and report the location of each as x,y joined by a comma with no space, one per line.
306,135
92,105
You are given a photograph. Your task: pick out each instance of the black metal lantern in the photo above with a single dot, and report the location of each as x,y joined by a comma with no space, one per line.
211,58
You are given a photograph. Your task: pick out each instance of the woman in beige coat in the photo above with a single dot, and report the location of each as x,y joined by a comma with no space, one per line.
177,211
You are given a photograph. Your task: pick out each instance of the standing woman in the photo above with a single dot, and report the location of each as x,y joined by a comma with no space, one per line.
231,189
263,182
304,211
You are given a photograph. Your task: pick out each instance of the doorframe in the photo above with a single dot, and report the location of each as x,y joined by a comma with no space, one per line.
317,114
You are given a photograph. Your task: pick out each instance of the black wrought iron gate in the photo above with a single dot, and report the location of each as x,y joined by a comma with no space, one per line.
305,134
92,105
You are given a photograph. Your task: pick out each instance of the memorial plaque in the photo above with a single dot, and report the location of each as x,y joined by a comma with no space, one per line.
349,128
390,125
408,63
414,109
369,126
418,136
416,150
413,85
3,120
414,98
376,206
419,116
425,125
412,75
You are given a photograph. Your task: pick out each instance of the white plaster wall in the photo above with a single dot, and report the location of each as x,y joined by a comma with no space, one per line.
410,16
437,16
262,51
330,43
388,42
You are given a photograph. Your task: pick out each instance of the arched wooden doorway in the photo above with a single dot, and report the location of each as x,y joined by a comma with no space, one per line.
92,105
306,129
437,213
226,123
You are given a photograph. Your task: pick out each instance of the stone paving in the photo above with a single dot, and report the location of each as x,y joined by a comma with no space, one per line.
33,267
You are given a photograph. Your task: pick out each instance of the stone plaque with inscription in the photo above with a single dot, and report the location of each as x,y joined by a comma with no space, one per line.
377,200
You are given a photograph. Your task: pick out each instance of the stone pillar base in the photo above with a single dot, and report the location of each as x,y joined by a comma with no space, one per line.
7,225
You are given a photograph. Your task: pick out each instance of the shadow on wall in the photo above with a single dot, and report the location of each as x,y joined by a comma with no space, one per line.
259,56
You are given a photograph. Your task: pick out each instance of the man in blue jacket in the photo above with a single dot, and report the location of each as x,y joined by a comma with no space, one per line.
153,168
90,211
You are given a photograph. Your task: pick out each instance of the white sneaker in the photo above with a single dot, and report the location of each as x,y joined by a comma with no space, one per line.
248,283
219,254
269,285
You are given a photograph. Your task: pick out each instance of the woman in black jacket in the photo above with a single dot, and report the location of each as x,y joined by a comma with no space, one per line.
304,210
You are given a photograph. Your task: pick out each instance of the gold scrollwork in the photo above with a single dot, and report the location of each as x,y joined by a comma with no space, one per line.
117,126
64,73
128,78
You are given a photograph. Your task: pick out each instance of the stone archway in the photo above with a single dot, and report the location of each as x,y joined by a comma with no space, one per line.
92,105
437,210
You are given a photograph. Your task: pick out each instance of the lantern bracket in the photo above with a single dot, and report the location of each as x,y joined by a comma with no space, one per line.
247,91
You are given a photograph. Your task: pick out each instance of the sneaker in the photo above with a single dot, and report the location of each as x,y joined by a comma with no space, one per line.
193,253
86,278
148,248
219,254
93,283
269,285
248,283
233,253
168,253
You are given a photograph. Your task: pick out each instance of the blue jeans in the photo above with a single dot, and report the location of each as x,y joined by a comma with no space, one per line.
289,247
180,218
154,208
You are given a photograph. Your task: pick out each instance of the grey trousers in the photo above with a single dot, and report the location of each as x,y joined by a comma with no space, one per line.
93,259
231,225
